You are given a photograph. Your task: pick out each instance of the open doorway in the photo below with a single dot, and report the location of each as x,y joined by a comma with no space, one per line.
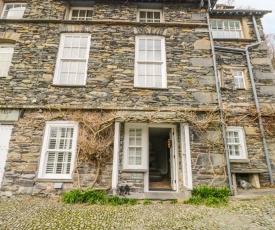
161,159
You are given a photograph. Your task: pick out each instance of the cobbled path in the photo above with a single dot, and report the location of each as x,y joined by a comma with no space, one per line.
42,213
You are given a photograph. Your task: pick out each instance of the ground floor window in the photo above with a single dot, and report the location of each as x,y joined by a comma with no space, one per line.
58,150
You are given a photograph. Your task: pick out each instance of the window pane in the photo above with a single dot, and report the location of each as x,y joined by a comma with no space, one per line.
157,15
150,44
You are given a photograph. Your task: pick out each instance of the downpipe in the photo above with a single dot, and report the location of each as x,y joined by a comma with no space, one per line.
257,101
219,100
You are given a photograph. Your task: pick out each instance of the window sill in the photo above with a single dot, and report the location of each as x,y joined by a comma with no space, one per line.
235,39
135,170
69,86
239,161
150,88
53,180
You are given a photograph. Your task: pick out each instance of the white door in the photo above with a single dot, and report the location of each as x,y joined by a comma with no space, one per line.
5,135
172,160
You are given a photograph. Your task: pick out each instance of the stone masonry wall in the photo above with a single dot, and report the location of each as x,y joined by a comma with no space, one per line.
22,164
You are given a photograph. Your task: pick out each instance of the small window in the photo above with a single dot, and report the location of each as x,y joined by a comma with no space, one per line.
236,143
81,14
13,10
58,151
6,52
239,79
135,146
150,16
72,60
150,65
226,29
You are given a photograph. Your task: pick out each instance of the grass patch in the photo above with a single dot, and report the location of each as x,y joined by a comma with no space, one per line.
95,197
209,196
147,202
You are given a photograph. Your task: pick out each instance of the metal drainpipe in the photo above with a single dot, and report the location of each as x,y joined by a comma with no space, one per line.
256,99
219,100
246,51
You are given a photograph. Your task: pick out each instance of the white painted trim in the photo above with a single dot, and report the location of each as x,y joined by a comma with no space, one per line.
116,155
186,154
43,160
150,10
176,163
56,79
5,139
163,61
240,130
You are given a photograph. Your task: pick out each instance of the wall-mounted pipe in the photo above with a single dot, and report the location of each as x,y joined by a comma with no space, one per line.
219,100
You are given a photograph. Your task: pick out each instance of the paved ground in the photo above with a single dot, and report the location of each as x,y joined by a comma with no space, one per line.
42,213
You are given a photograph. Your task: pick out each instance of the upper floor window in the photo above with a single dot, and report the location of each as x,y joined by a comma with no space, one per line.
239,79
13,10
236,143
226,28
58,150
81,14
72,60
6,52
150,15
150,62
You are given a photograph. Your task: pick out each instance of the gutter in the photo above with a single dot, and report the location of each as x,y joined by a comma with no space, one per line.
246,52
219,101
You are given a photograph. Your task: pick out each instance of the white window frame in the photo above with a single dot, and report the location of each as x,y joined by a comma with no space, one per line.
238,86
144,146
162,62
242,143
56,80
21,11
43,159
223,30
6,48
150,11
81,8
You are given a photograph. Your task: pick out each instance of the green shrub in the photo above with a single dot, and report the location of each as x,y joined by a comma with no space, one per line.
95,197
173,201
209,196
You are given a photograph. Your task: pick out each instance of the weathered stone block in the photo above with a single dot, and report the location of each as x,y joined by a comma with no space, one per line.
250,130
217,159
198,17
202,44
203,159
207,98
201,61
269,90
261,61
264,76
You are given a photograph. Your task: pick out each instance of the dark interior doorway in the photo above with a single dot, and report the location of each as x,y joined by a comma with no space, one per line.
159,159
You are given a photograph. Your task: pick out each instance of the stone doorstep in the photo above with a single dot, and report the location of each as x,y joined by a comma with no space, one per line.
252,194
158,196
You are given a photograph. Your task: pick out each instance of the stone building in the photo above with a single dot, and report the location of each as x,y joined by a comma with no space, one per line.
190,85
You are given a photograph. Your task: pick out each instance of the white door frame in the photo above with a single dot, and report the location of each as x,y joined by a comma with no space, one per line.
4,148
186,157
175,142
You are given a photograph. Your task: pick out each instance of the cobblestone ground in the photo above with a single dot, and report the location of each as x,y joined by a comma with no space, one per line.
41,213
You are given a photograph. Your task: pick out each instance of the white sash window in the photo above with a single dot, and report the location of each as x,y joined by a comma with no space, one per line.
13,10
226,29
236,143
150,16
6,52
239,79
72,60
136,146
81,14
150,66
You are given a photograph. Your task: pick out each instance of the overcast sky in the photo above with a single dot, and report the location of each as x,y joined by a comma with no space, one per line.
268,20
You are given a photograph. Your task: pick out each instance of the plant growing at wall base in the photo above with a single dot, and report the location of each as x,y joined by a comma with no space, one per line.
209,196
